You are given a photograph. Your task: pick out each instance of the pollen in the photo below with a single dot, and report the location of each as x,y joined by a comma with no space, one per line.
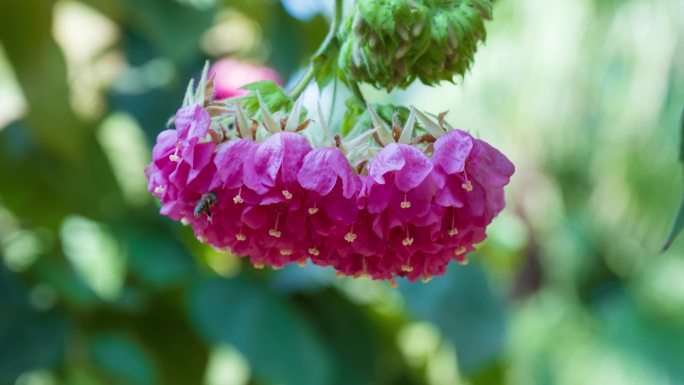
287,194
174,157
468,186
285,252
453,232
407,241
237,199
313,210
159,189
460,250
240,237
274,232
350,237
314,251
405,204
407,268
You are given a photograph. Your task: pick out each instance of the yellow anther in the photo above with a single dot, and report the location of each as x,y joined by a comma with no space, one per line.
240,237
453,232
313,210
407,241
427,278
314,251
460,250
463,261
405,204
467,186
259,265
350,237
407,268
287,194
174,158
340,274
285,252
301,263
238,199
393,283
159,189
274,232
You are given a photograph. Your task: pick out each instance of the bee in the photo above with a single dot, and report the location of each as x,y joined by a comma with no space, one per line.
204,204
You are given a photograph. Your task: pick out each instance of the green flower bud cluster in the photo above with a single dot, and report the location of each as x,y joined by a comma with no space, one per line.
390,43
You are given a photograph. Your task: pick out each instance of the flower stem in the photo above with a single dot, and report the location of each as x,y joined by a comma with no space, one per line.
321,53
354,87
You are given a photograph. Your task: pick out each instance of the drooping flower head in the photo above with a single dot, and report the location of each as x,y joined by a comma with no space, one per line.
391,206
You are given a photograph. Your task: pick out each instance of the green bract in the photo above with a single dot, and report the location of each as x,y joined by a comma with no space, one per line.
391,43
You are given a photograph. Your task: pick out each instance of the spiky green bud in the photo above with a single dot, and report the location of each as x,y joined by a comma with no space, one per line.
391,43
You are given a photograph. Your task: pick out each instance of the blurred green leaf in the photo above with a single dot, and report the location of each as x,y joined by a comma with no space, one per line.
278,342
29,339
467,312
347,328
123,359
26,34
679,219
157,259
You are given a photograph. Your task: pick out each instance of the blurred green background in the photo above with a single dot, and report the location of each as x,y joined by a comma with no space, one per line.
570,287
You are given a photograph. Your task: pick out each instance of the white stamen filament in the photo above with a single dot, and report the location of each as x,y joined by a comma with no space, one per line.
350,236
237,199
405,204
274,231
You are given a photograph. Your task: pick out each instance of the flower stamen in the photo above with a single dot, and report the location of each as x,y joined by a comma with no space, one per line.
174,157
313,210
274,232
314,251
237,199
405,204
350,236
287,194
467,185
408,241
160,189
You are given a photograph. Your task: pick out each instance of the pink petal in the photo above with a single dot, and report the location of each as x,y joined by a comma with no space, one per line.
192,122
452,150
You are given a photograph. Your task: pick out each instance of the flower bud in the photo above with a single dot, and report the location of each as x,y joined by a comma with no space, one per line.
437,38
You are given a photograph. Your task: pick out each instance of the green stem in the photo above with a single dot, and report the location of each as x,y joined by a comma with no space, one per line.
321,53
354,87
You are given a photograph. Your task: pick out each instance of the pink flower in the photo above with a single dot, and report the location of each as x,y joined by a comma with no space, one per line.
229,75
279,216
474,175
279,201
181,168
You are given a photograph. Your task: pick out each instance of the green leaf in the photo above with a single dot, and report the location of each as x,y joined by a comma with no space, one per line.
158,260
122,358
276,340
679,219
271,94
29,340
463,306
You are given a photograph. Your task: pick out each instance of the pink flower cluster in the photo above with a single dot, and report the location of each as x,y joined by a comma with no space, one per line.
281,201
